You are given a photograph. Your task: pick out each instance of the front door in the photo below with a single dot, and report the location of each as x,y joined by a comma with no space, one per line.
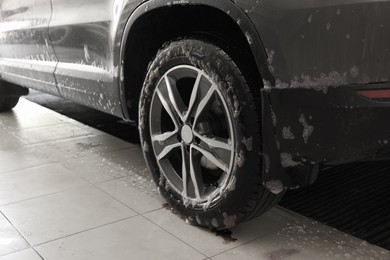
26,55
82,35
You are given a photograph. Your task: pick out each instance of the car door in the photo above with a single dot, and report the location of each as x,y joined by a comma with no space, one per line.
26,55
82,34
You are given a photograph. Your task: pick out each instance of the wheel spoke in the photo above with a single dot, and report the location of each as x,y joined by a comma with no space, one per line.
184,170
167,106
175,98
191,174
167,150
204,102
162,138
193,97
212,158
215,142
196,177
164,143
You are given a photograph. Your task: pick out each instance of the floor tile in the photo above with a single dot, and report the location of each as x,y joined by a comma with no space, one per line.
7,118
50,133
21,158
82,146
207,242
296,242
104,166
32,115
95,168
28,115
85,127
9,141
131,159
27,108
338,237
134,238
27,254
13,122
10,239
36,181
62,214
137,192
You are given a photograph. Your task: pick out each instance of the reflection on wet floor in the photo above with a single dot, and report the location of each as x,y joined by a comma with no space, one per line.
353,198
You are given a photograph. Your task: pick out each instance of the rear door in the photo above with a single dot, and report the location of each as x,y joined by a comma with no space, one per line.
26,55
82,34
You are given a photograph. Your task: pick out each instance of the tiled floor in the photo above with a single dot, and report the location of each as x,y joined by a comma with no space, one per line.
68,191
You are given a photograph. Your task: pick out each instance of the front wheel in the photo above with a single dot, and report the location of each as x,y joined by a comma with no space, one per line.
7,103
200,132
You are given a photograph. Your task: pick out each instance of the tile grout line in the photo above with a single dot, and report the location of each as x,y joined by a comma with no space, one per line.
79,232
58,139
45,163
112,197
48,162
17,137
85,230
41,196
155,224
143,215
139,213
17,230
82,156
39,254
27,128
55,161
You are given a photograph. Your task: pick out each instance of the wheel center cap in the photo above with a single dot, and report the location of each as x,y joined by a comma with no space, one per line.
186,134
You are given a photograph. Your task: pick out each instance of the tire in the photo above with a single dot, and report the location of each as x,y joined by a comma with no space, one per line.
216,131
7,103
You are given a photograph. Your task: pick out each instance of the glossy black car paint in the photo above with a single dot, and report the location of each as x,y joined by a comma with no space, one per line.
313,56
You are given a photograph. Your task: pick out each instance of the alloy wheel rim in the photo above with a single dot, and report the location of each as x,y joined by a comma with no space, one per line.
192,134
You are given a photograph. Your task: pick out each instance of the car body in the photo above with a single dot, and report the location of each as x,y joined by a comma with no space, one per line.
320,68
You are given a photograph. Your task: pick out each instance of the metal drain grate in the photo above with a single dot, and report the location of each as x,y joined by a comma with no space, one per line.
353,198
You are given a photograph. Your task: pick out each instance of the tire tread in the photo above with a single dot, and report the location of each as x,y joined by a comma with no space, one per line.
7,103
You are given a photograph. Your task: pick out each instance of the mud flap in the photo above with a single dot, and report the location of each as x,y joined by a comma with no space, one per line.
276,177
306,128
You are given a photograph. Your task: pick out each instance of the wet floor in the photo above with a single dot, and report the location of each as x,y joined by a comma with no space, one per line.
354,198
70,191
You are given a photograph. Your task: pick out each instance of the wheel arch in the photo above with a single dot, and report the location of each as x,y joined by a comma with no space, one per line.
155,22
